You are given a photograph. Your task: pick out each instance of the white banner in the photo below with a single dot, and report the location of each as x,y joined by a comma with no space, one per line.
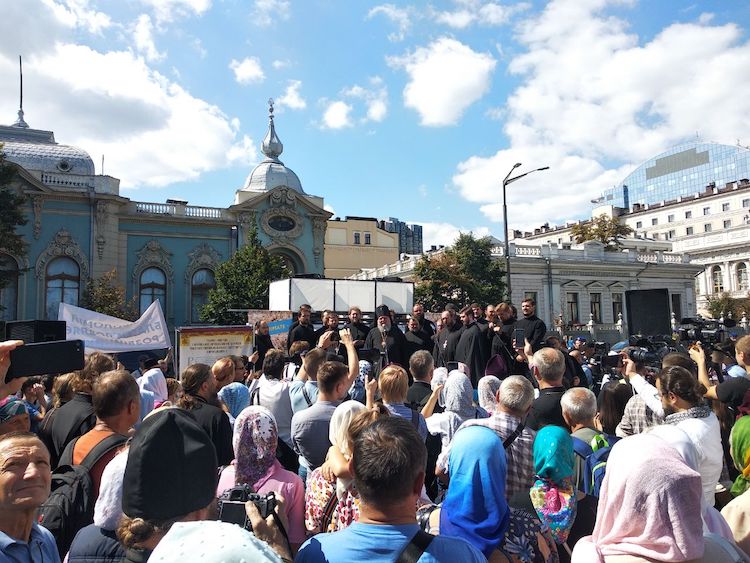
103,333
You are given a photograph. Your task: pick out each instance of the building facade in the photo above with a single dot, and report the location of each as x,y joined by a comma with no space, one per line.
409,236
80,227
354,243
680,172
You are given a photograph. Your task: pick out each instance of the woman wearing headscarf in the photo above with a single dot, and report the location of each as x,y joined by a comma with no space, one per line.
650,509
236,397
475,508
487,390
737,512
713,521
331,502
255,440
553,499
459,407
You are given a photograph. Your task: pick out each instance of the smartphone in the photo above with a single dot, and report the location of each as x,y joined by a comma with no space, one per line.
40,358
614,361
519,336
450,366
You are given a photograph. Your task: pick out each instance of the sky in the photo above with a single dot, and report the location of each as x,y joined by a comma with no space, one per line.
415,110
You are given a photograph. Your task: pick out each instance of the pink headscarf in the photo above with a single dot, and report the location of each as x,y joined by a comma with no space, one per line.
650,505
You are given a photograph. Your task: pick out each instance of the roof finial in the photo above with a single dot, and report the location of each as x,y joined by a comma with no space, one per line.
20,121
272,146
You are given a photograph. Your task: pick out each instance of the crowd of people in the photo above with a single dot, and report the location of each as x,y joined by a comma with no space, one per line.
479,437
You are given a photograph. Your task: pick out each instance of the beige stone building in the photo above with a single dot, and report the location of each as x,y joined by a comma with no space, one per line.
354,244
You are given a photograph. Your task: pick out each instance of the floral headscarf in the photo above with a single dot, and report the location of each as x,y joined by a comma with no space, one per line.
740,447
487,389
553,494
255,439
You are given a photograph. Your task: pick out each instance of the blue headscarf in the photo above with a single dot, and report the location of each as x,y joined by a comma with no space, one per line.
475,507
236,397
554,459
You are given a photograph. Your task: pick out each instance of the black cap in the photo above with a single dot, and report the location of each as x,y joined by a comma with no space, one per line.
171,469
150,362
383,311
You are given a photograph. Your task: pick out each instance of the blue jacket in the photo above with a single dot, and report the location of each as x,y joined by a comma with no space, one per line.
93,544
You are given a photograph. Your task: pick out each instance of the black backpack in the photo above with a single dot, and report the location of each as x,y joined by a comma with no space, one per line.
70,505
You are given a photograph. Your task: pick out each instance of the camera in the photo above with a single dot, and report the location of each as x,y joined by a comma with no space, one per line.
694,329
643,356
231,505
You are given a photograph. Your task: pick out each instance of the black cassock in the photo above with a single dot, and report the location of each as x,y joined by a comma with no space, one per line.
394,350
473,351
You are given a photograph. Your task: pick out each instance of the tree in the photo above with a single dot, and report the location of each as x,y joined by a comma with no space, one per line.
105,296
242,283
462,274
11,217
724,305
607,230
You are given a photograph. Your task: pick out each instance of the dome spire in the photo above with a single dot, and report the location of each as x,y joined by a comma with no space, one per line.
272,146
20,121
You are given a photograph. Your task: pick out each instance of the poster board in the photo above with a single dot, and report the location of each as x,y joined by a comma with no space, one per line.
279,323
205,345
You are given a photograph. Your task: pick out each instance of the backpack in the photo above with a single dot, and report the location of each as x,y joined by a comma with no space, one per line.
595,455
70,505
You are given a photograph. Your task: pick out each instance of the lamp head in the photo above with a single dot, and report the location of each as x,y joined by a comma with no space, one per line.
516,165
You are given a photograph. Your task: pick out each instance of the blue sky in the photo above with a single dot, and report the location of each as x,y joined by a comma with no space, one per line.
408,109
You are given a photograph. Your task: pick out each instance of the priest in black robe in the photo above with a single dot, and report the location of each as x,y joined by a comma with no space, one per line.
388,339
472,348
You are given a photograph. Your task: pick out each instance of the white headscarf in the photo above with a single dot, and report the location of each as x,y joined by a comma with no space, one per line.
459,395
108,507
439,375
229,543
487,389
338,435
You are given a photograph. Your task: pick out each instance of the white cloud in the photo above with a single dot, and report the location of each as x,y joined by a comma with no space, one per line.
265,12
595,101
291,97
496,113
143,35
445,234
248,70
279,64
470,12
328,207
375,98
77,13
151,131
445,78
399,16
169,10
337,115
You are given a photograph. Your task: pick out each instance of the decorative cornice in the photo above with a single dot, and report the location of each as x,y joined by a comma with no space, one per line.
202,256
62,245
153,254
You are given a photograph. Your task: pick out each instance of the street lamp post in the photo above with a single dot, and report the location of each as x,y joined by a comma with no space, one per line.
508,180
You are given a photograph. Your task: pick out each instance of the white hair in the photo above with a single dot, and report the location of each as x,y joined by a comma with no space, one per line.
516,394
579,404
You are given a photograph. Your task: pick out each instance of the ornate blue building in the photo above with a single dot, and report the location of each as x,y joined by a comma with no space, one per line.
80,227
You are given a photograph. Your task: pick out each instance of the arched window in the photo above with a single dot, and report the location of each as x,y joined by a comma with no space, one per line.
202,282
742,276
153,286
62,284
717,279
8,293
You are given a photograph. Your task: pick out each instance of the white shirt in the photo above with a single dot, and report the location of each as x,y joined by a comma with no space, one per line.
274,395
153,380
705,434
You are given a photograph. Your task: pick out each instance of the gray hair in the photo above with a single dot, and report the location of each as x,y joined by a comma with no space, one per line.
579,405
516,394
420,364
550,363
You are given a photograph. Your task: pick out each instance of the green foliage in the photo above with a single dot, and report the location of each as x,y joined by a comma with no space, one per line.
607,230
11,217
461,274
105,296
723,304
242,283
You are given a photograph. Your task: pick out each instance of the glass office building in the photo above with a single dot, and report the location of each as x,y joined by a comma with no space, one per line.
683,170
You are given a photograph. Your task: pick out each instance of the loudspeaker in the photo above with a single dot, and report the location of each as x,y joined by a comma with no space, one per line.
648,312
35,331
